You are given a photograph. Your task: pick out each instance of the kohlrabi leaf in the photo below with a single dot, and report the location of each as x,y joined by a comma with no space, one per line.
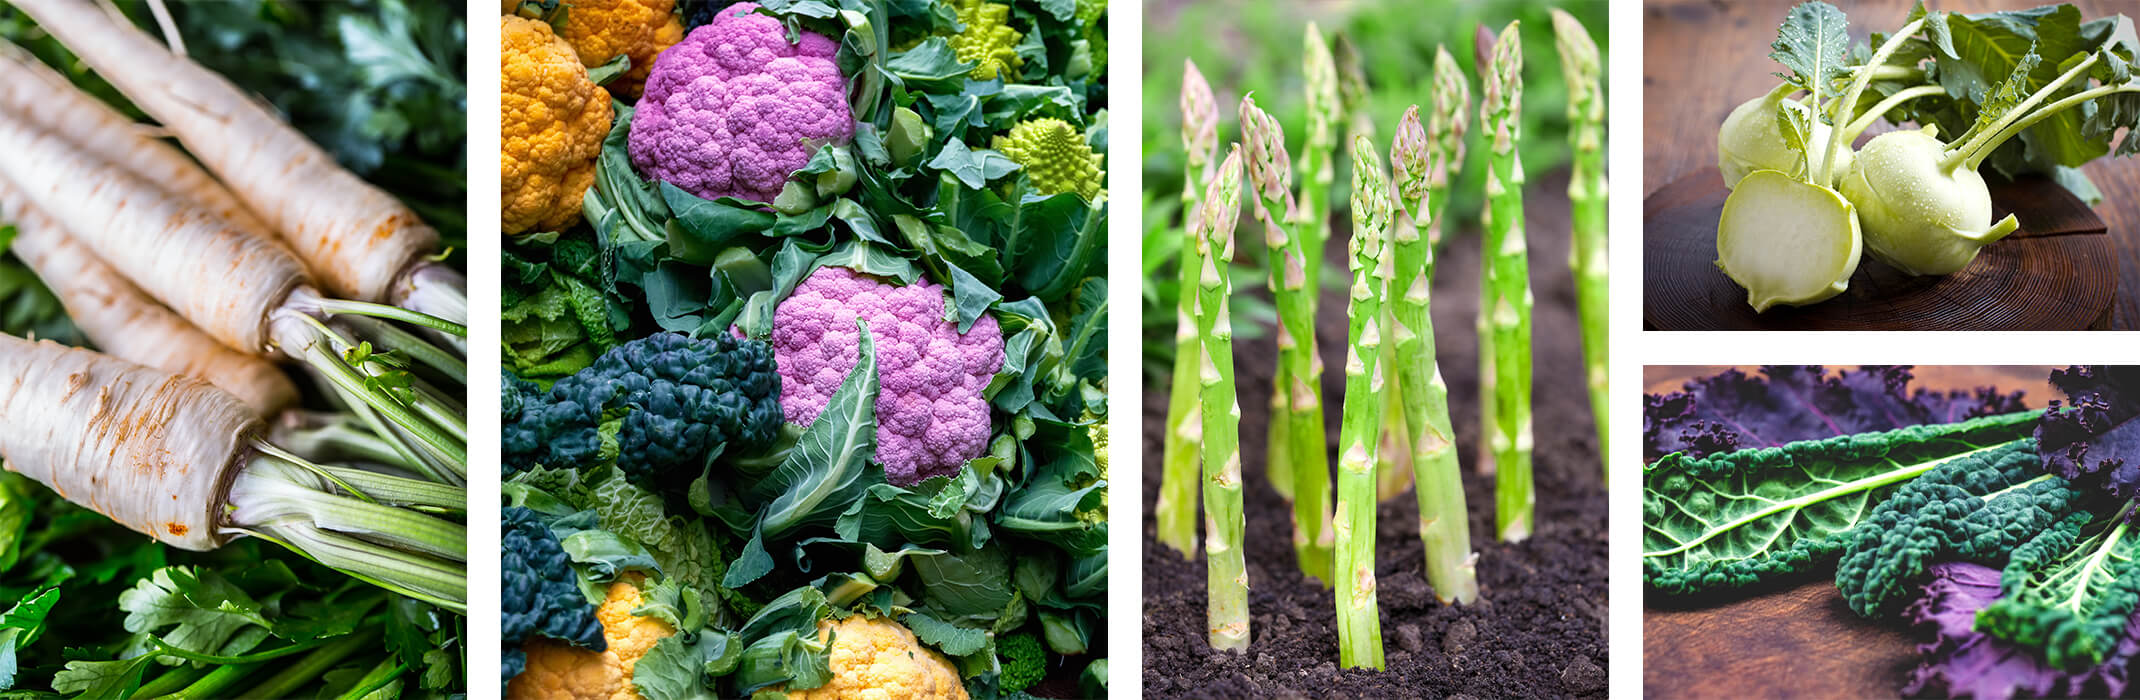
2093,435
1812,45
1976,509
2007,95
1733,411
1738,519
1987,49
2070,591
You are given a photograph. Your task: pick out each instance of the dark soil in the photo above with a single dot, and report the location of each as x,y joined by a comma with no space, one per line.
1538,629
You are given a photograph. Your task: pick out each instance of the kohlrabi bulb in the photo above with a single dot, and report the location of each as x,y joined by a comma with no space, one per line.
1751,140
1921,212
1787,241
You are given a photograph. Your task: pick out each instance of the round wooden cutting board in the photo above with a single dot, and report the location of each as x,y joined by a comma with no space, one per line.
2059,272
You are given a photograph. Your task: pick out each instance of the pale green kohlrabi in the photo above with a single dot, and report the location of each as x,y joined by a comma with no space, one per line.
1752,139
1787,241
1924,208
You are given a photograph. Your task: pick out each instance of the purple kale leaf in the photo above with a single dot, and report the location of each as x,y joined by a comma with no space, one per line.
1960,662
2094,432
1734,411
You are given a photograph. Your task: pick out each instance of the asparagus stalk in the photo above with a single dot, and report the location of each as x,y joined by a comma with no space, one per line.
1227,582
1586,199
1299,427
1319,147
1489,426
1444,528
1507,271
1446,125
1359,621
1394,469
1175,510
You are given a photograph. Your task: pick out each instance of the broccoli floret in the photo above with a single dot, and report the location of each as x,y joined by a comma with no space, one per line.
1024,661
540,596
1974,508
667,401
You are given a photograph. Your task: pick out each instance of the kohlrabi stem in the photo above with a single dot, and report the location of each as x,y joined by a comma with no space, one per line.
1980,152
1359,619
1444,526
1507,268
1175,510
1825,175
1866,120
1297,423
1964,148
1227,574
1586,204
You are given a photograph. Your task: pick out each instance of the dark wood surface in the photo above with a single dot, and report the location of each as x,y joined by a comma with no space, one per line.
2057,273
1798,643
1701,58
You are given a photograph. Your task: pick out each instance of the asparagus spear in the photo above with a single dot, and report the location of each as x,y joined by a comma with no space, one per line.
1359,622
1586,199
1175,510
1489,426
1227,608
1507,265
1301,421
1446,125
1394,471
1444,528
1314,214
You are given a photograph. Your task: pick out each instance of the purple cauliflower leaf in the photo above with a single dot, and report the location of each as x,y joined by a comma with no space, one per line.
1735,411
1958,661
735,108
2094,431
931,416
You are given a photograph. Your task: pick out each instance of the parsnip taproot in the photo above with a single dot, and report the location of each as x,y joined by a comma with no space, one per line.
361,242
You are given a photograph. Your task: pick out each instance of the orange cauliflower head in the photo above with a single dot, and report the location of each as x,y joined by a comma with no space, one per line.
879,659
602,30
553,120
560,671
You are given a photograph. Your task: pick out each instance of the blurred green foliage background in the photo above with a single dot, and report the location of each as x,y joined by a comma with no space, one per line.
1256,46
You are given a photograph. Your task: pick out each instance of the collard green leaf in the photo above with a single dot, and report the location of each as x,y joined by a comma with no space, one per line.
1738,519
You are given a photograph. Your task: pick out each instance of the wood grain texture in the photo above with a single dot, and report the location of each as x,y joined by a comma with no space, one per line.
2057,273
1701,58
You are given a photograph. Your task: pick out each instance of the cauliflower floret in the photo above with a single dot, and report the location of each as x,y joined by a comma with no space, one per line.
602,30
736,108
561,671
930,414
879,659
552,122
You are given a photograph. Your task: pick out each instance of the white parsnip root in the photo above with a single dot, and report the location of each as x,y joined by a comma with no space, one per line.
129,325
359,241
151,450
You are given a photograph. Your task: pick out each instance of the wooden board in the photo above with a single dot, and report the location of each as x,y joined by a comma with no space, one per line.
1802,642
2059,272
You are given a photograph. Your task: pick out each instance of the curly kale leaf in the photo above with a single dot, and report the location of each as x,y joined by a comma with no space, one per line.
2093,433
1977,508
1736,519
1959,661
1733,411
2071,590
658,406
541,594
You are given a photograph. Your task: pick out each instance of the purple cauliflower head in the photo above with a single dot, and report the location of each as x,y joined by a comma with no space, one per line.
735,108
931,417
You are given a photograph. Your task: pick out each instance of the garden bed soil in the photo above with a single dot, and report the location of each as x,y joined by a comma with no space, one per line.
1538,629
